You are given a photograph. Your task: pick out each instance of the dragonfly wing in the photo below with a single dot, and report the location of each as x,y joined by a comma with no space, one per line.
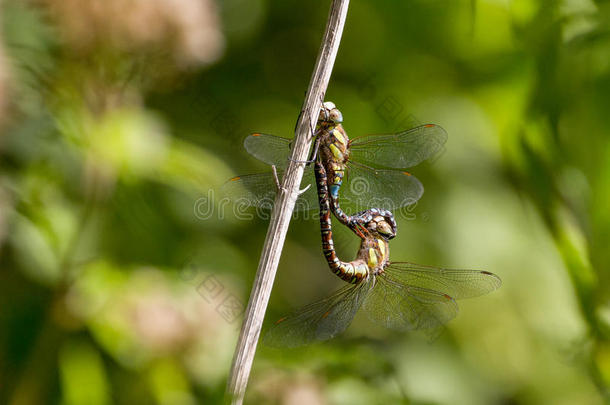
401,150
458,283
252,190
319,321
383,189
271,149
395,305
259,190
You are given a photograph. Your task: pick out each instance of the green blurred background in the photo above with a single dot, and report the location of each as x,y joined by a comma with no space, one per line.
122,278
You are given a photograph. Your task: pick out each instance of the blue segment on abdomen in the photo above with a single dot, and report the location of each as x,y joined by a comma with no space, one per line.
334,190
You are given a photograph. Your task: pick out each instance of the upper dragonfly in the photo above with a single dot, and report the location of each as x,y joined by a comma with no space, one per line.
397,295
373,166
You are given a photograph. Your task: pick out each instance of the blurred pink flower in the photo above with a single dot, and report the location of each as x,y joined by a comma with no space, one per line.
278,387
158,322
303,393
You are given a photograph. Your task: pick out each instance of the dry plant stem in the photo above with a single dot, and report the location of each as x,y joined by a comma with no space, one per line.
284,205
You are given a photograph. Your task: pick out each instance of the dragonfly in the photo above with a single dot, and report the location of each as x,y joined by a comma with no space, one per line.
398,295
373,166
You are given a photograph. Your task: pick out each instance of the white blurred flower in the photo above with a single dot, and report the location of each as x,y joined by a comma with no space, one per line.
189,29
4,84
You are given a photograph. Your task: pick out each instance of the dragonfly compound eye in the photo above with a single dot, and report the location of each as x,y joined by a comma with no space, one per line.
336,116
329,105
385,229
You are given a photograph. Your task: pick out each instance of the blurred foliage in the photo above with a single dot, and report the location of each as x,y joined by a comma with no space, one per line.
121,272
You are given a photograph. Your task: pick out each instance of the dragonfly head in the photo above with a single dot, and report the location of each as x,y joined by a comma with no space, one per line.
330,113
385,226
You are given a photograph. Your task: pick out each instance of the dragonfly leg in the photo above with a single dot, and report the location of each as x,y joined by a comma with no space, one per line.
314,152
312,130
322,101
312,157
296,124
359,219
360,230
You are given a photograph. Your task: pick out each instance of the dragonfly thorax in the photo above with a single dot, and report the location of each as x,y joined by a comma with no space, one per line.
333,145
374,252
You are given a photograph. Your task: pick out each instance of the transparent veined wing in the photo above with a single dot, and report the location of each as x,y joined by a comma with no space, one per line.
252,190
398,306
458,283
259,190
270,149
319,321
401,150
364,188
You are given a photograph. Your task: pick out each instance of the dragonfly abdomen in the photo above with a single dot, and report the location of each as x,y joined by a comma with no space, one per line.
337,171
352,272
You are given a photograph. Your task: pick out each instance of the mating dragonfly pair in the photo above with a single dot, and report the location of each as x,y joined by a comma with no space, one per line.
397,295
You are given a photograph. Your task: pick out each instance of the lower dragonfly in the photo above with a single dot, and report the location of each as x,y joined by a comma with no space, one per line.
372,166
398,295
